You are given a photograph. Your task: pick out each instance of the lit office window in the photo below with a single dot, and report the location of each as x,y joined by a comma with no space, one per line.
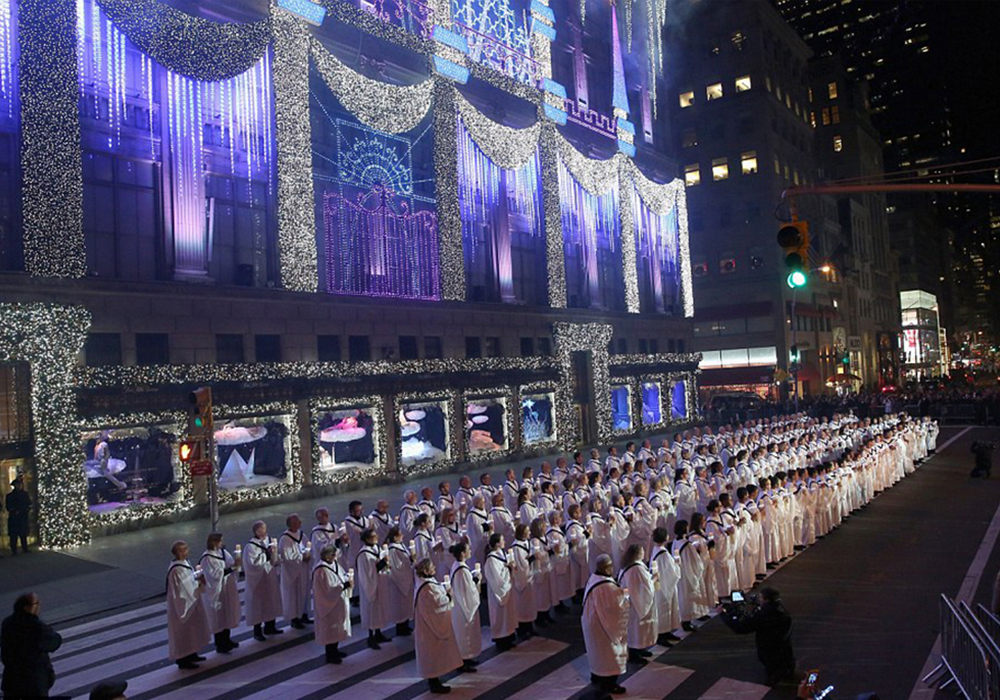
838,144
743,83
713,91
692,175
832,89
686,99
720,169
748,162
812,119
835,114
826,116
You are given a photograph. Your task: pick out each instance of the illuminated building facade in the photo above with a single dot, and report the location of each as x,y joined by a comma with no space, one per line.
394,238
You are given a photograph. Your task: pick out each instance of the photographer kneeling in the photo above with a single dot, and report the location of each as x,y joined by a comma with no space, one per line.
772,627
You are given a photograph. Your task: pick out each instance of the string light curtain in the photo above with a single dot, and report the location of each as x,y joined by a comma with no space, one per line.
657,257
501,213
8,84
121,87
591,234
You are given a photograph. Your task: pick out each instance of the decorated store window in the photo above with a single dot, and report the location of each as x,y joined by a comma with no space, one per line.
652,409
346,440
538,418
503,236
621,407
374,184
253,451
131,466
424,432
160,141
657,238
679,400
486,421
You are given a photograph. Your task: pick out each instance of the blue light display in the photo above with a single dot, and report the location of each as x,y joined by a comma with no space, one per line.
678,402
305,9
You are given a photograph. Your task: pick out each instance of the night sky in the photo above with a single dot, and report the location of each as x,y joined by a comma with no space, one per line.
969,54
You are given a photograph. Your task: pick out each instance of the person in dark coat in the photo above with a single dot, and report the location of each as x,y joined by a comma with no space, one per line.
772,628
25,645
984,459
18,507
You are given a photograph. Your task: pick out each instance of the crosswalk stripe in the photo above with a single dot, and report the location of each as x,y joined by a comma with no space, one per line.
655,681
492,673
729,689
563,682
157,610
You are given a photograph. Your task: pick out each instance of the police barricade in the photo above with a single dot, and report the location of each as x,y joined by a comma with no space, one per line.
990,622
963,655
990,646
954,412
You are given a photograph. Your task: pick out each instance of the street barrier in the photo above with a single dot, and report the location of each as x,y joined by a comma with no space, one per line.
965,655
990,622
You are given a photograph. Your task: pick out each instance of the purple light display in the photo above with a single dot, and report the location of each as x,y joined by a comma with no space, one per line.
657,255
8,86
233,118
375,246
497,206
591,231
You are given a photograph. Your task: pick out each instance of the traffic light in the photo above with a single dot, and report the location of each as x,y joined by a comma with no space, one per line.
845,359
793,237
200,415
793,354
189,451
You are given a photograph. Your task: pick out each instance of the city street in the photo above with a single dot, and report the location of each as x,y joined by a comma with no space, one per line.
863,600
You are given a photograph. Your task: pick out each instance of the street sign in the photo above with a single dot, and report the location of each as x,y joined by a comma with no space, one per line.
201,467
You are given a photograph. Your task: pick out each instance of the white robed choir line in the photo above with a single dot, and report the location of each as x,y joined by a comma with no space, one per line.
598,537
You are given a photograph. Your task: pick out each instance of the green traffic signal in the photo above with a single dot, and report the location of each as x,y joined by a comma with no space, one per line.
797,279
199,422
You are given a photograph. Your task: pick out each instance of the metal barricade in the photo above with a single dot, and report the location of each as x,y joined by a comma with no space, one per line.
990,646
990,622
963,654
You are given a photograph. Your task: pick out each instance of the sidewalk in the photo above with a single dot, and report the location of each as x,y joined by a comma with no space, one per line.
121,570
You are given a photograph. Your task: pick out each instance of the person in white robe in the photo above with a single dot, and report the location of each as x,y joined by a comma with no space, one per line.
693,595
187,625
501,519
500,594
323,533
636,578
263,591
296,567
373,580
464,498
465,613
422,544
541,571
478,529
446,536
380,520
331,587
605,627
408,513
354,524
220,594
668,572
434,641
577,540
560,580
522,575
400,593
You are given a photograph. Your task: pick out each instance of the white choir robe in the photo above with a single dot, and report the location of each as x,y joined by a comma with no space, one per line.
187,626
478,537
263,592
399,599
510,494
407,514
221,597
465,613
576,538
354,527
503,524
381,524
668,570
295,571
687,501
522,576
560,580
448,536
331,603
434,638
605,626
463,501
599,543
619,531
321,536
541,575
693,596
373,584
500,596
636,579
527,513
423,546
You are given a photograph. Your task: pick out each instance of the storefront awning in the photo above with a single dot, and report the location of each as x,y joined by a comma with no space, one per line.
725,376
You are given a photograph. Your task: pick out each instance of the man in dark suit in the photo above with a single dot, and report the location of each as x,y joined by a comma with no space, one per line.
25,645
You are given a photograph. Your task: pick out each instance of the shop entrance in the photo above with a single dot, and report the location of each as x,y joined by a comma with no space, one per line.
15,439
583,395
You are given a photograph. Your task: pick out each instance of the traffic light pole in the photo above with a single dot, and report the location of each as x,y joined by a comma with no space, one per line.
795,366
213,483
